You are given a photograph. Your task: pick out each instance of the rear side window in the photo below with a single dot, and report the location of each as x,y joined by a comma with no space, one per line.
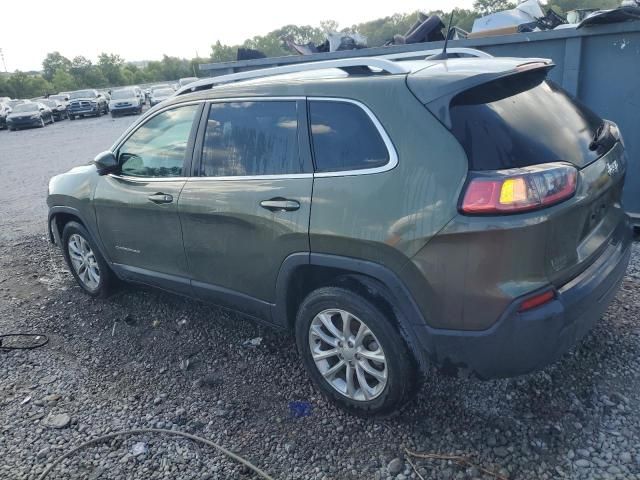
344,137
251,138
522,120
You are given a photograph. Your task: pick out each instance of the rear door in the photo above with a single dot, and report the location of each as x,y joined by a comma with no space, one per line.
137,208
247,206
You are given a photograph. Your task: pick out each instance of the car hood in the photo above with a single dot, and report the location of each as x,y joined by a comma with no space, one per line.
84,99
124,100
22,114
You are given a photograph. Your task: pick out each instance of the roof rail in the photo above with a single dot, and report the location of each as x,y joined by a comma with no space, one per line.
384,64
427,53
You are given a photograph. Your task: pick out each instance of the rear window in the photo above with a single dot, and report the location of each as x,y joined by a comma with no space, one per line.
344,138
520,121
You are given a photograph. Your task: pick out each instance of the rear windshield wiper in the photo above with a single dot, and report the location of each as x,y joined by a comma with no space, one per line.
602,138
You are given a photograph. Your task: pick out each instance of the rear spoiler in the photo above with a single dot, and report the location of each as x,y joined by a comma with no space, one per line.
438,85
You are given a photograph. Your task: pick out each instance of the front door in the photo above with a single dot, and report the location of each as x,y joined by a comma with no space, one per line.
137,208
248,206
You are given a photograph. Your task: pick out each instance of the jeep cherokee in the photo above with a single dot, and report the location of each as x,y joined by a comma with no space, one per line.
464,213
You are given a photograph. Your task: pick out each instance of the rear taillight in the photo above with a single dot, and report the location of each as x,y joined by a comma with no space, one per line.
519,190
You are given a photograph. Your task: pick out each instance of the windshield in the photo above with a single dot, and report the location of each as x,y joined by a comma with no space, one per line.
120,94
49,103
26,107
56,97
163,92
82,94
185,81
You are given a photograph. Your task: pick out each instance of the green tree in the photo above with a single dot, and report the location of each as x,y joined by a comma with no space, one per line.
63,81
5,89
222,53
173,68
80,67
94,78
328,26
39,86
110,66
52,63
18,83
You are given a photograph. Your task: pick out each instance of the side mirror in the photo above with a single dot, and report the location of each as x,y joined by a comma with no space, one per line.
42,109
106,162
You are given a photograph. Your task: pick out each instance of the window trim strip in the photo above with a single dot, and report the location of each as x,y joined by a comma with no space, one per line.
391,150
390,165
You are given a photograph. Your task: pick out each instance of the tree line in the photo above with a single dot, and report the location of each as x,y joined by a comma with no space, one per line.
60,73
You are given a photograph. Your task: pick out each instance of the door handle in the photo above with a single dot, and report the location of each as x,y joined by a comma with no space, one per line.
280,205
161,198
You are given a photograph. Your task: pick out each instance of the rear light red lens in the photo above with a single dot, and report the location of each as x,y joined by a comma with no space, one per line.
519,190
537,301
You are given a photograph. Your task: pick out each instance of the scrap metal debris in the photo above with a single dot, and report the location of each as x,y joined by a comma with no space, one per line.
253,342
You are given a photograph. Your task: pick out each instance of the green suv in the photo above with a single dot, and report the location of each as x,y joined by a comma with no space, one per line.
464,213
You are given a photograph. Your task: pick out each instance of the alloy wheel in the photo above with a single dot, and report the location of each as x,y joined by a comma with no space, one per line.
348,354
84,261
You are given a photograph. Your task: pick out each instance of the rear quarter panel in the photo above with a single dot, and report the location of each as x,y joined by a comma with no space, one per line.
387,217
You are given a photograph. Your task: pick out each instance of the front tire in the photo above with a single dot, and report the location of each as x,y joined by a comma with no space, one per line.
354,353
86,263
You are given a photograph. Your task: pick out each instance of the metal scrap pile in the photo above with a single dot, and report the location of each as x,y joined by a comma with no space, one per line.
425,29
529,16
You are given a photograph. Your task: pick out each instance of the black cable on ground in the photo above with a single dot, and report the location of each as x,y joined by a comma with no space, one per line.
109,436
39,341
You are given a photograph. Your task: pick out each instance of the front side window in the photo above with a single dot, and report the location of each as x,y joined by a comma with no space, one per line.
344,138
159,147
251,138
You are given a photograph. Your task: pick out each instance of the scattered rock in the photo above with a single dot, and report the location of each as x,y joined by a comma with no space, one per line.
139,448
60,420
625,457
501,452
395,466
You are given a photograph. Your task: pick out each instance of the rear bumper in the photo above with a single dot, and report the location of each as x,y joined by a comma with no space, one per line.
520,343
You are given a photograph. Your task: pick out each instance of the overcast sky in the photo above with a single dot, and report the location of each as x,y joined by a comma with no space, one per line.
146,29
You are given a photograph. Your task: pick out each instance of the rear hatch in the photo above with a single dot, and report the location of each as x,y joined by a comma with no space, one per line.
510,118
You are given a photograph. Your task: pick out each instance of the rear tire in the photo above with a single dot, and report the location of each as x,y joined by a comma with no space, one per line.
87,265
341,362
72,117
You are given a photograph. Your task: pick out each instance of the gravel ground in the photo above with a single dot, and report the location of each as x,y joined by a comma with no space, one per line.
147,359
29,158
